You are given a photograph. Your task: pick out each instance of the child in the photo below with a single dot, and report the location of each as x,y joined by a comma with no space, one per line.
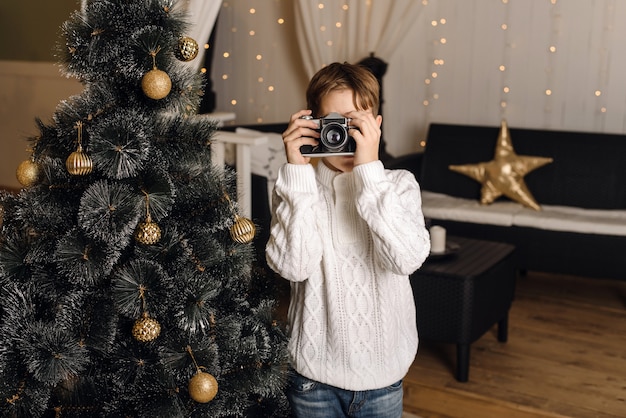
346,234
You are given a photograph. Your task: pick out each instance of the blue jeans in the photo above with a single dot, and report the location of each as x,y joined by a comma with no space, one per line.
311,399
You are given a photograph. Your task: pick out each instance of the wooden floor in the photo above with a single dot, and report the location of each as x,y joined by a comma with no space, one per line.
565,357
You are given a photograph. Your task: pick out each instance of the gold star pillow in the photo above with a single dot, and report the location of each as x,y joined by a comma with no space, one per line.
504,175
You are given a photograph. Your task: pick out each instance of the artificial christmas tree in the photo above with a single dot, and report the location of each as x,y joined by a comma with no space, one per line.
128,286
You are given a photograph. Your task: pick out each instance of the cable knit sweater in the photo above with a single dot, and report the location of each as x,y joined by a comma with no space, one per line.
347,242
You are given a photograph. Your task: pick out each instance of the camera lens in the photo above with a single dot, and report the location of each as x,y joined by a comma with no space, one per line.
333,136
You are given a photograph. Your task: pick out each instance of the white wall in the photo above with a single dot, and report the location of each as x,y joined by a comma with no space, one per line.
585,75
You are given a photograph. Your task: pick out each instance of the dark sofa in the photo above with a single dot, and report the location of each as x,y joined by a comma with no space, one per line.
587,173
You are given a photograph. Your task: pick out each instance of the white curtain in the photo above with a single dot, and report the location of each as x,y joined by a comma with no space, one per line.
202,17
349,30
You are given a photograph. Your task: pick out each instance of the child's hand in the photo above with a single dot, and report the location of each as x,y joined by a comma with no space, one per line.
367,136
299,132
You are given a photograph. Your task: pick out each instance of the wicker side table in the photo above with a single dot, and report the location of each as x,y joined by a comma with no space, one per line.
460,297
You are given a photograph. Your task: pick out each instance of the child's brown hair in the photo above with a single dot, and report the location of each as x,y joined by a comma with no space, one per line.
338,76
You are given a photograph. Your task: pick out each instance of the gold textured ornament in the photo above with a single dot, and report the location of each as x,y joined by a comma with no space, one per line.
203,387
28,173
504,175
146,329
156,84
148,232
187,49
79,163
243,230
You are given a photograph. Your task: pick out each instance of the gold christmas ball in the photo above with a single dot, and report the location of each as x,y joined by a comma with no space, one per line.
187,49
79,163
156,84
146,329
243,230
28,173
148,232
202,387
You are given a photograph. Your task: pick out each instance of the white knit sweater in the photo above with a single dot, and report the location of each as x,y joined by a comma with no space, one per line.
347,242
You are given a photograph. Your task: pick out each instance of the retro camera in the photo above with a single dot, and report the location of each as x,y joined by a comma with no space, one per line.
334,138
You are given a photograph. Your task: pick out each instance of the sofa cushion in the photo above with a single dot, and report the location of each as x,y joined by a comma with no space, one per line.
442,206
551,217
567,218
587,170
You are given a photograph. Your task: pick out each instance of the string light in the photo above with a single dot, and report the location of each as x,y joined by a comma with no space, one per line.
549,95
257,56
552,49
603,59
506,58
437,64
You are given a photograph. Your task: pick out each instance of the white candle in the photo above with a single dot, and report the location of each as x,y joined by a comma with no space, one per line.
437,239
